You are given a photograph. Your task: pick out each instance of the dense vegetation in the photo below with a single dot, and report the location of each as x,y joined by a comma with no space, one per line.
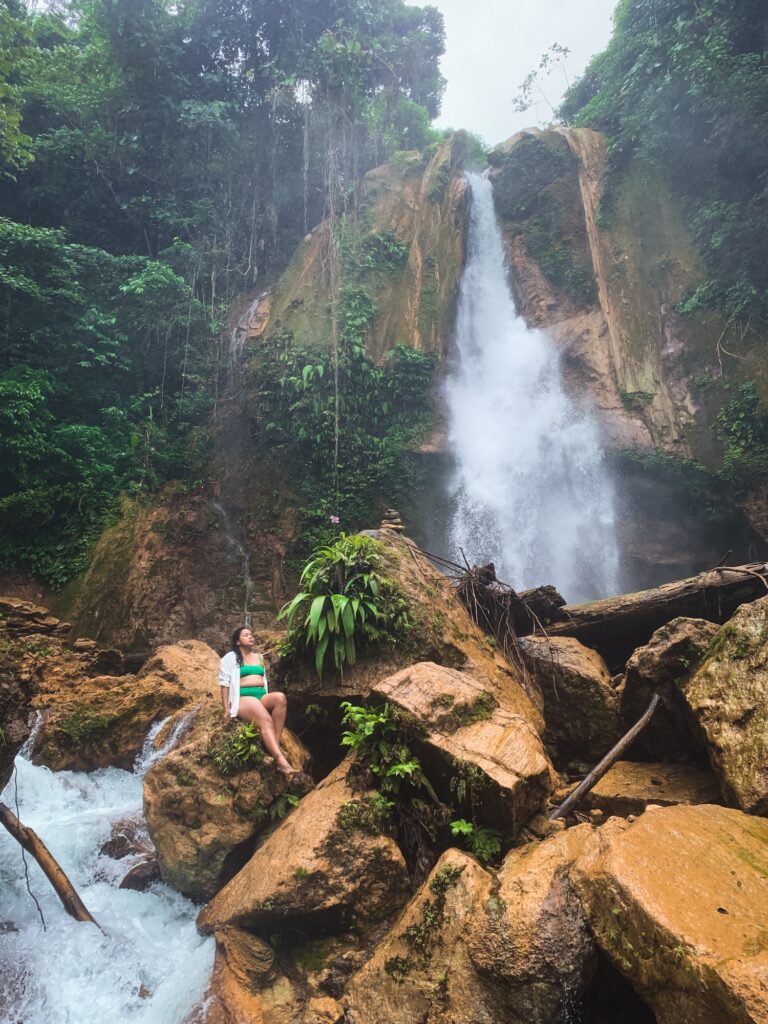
158,159
682,87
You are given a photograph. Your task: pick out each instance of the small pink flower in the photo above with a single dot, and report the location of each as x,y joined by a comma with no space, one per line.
335,520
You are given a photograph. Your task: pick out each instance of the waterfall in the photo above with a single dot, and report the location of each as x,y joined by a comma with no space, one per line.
148,965
530,491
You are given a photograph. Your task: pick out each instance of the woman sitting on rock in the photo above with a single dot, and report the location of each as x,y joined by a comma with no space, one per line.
245,694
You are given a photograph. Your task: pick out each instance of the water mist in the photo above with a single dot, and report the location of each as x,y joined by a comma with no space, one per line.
530,490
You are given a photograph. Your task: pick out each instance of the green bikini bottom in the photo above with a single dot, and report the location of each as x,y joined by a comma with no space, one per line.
253,691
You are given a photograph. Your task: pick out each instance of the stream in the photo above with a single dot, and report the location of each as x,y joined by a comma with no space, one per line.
148,964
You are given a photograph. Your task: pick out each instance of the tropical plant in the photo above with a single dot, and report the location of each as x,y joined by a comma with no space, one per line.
484,842
345,602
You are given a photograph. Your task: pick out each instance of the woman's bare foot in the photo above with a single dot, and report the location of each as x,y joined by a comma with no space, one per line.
286,769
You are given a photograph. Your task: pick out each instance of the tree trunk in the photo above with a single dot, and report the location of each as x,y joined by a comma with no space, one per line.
34,845
617,626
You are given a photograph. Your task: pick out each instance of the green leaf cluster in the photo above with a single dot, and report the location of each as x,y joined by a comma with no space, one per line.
236,752
345,603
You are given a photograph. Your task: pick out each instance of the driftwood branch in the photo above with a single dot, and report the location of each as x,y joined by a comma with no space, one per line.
608,761
32,843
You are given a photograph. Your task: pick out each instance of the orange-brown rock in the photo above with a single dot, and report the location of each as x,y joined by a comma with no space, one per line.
532,937
244,964
422,971
630,786
314,870
728,698
94,722
204,807
441,632
471,947
678,901
462,726
581,707
660,666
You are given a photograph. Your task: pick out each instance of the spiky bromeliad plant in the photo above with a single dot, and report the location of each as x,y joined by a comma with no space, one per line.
345,602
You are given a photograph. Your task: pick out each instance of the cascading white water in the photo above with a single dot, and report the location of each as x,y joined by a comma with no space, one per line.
530,490
148,965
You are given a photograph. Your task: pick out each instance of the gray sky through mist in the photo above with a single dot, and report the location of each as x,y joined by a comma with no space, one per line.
491,45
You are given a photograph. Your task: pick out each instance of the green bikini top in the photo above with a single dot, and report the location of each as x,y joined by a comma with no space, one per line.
251,670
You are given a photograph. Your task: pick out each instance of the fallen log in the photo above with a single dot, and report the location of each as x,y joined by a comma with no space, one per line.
34,845
616,626
577,795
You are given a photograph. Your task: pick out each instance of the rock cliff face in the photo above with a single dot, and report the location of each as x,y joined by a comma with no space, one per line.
600,263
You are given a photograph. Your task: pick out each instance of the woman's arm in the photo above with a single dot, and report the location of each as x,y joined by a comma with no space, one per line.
225,699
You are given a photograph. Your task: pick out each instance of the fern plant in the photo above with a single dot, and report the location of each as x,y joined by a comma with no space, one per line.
344,602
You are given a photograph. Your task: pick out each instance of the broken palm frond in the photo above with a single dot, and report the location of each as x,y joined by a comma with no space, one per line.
577,795
32,843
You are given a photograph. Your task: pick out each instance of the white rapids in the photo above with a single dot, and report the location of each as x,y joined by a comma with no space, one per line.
148,965
530,490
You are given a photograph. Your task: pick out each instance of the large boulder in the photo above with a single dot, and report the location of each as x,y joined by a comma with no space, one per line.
317,870
728,698
204,805
532,936
441,631
471,947
94,722
421,971
630,786
678,901
461,727
581,707
661,666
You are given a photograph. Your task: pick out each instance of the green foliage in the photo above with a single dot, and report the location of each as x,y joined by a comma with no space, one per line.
528,194
372,815
485,843
237,751
682,88
742,428
345,603
635,400
422,935
74,314
179,152
374,734
83,723
383,410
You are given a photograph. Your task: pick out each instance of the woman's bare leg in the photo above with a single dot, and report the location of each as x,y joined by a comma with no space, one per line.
252,710
277,706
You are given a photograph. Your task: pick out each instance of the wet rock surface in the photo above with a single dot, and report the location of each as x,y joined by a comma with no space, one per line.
203,804
461,727
728,698
318,869
95,721
661,666
581,707
630,786
678,901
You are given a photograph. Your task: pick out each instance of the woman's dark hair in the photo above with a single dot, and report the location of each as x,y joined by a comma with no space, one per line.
235,642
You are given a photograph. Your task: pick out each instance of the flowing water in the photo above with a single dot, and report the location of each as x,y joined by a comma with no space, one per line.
530,491
147,965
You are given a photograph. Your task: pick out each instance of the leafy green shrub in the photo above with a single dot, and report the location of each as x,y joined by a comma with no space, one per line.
346,603
370,815
742,427
238,751
374,734
485,843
